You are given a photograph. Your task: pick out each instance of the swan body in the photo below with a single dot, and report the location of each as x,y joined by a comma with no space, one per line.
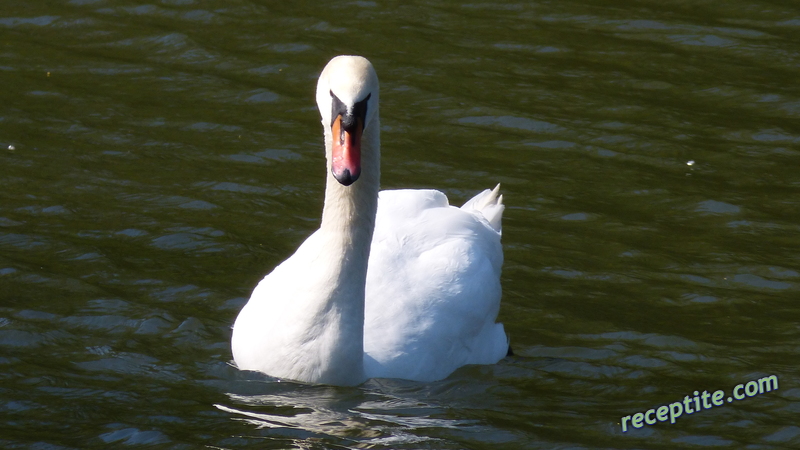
394,284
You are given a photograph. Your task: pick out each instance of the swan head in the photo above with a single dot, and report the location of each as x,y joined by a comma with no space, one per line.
347,97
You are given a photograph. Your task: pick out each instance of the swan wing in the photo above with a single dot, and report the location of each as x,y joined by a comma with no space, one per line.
433,285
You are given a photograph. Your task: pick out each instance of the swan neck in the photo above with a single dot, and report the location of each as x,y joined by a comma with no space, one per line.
348,222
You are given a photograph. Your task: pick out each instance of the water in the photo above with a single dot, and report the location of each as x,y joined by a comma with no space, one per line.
157,159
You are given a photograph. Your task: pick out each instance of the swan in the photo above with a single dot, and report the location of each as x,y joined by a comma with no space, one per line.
394,284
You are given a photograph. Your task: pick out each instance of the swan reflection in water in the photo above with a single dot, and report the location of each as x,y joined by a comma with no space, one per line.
383,412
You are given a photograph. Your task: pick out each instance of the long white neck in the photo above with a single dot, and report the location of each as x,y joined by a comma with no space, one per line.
348,221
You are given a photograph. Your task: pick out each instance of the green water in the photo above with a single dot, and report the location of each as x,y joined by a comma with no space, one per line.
157,159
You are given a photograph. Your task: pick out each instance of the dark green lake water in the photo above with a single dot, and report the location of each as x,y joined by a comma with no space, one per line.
157,159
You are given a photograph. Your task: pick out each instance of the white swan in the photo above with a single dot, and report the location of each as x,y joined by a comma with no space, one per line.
427,301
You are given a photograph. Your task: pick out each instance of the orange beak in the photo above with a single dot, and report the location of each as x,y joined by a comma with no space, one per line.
346,155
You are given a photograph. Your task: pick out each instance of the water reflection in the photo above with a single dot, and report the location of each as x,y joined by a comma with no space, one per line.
363,417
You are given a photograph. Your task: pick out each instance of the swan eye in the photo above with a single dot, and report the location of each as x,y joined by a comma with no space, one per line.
360,110
349,119
338,108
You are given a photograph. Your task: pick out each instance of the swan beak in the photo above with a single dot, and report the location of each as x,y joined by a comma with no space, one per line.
346,154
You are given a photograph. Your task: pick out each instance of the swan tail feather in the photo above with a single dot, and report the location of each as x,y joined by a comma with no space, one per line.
490,204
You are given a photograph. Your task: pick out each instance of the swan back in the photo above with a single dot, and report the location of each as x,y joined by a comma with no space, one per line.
433,286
